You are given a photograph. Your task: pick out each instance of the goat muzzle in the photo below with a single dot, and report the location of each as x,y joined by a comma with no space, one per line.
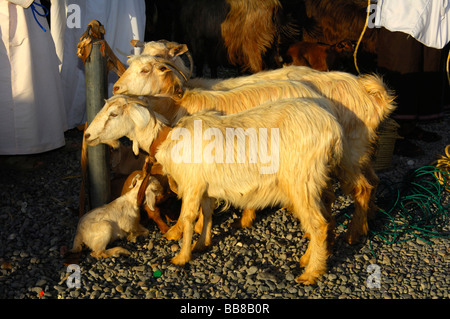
91,141
117,89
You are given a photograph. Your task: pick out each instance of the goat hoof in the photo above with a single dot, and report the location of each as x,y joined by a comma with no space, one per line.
353,237
355,231
131,238
173,234
304,261
306,279
180,260
163,228
198,228
241,224
307,236
198,247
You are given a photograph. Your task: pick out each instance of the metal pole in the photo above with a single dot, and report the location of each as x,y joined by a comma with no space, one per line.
98,156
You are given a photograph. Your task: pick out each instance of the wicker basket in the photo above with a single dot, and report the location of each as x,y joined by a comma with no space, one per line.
384,149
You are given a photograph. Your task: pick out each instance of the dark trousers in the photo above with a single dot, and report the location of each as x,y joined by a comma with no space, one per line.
415,72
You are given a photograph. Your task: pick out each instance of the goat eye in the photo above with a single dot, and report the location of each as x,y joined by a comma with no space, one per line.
113,114
162,68
145,70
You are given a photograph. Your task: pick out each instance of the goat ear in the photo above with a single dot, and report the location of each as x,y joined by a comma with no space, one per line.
178,50
150,198
139,115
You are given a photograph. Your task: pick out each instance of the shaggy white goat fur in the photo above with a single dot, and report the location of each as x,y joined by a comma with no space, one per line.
121,116
310,147
117,219
230,101
362,103
144,71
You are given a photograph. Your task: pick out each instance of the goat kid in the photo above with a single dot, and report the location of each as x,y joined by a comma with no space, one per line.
115,220
310,148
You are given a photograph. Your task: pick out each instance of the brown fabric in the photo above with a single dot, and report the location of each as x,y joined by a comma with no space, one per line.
415,72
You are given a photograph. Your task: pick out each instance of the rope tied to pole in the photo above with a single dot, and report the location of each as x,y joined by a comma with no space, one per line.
146,175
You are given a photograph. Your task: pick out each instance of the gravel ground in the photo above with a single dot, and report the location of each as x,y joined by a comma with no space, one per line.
38,216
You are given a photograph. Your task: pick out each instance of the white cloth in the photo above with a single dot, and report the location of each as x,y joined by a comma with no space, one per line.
426,20
33,118
23,3
123,21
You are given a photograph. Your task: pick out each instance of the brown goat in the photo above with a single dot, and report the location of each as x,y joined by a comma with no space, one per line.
338,20
320,56
249,31
244,33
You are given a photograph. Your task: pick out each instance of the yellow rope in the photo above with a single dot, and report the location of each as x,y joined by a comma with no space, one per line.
360,38
448,75
443,164
443,161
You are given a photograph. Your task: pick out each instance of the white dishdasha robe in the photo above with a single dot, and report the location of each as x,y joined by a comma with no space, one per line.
123,21
428,21
32,111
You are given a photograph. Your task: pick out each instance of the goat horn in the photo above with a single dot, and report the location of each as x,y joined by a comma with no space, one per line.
191,67
170,64
137,43
146,168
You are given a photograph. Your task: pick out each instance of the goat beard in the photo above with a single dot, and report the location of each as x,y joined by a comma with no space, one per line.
114,144
135,147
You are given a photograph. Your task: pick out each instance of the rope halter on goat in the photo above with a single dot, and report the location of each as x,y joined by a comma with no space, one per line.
146,175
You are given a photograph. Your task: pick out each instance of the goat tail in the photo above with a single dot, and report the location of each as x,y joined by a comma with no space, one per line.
382,96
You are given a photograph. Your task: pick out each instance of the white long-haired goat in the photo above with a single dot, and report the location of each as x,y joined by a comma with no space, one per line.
301,134
108,130
309,144
120,116
171,52
362,103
